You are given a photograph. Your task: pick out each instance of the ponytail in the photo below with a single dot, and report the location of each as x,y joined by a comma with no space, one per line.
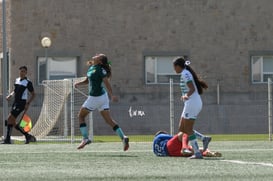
200,84
106,66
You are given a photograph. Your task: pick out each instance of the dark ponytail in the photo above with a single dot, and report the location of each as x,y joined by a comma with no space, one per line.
105,65
185,64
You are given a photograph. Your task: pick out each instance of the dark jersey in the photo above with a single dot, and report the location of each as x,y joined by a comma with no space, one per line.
22,86
95,76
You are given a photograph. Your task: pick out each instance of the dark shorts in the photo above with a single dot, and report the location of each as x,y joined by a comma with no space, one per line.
17,108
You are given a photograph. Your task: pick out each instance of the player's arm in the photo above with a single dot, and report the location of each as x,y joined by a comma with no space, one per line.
10,95
109,89
32,95
83,82
191,90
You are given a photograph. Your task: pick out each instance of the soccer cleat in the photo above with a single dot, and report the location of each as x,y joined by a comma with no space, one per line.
30,138
33,139
196,156
213,154
125,143
186,152
84,142
206,142
5,141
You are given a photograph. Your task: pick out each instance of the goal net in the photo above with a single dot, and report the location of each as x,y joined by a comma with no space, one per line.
58,118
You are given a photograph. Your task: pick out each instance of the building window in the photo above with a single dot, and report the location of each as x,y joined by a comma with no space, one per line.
56,68
261,68
159,70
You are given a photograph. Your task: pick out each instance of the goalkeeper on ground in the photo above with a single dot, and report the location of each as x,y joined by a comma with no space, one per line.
165,144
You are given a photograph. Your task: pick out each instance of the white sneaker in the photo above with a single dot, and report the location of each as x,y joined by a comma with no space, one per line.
83,143
196,156
186,152
125,143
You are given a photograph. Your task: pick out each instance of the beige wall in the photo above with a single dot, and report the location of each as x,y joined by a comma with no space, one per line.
217,34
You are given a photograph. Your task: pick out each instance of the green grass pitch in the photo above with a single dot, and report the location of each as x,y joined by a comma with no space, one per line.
241,160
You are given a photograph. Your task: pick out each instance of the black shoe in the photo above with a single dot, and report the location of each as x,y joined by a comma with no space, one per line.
30,138
33,138
5,141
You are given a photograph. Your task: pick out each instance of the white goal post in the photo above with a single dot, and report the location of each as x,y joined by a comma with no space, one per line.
270,108
58,118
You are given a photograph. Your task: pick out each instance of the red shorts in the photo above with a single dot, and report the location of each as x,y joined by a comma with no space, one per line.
174,146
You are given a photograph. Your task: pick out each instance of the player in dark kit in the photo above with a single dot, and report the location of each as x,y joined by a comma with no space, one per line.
21,103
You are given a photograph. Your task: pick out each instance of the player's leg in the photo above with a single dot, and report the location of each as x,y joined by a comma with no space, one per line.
185,151
83,127
20,108
106,116
17,108
11,121
174,145
188,129
205,139
192,107
29,138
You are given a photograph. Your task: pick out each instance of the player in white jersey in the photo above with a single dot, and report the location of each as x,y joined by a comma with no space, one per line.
191,88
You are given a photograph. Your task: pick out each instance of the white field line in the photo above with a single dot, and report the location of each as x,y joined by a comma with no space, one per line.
246,149
248,163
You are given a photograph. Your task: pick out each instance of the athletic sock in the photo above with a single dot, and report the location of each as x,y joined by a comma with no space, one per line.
21,129
84,131
9,130
194,143
119,131
185,141
199,135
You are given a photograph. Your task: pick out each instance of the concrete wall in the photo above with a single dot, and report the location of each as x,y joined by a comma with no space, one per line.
218,35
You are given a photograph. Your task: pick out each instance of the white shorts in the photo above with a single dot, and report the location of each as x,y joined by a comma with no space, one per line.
192,108
97,102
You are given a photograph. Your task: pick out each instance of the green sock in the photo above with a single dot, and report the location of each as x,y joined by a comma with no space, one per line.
84,130
119,131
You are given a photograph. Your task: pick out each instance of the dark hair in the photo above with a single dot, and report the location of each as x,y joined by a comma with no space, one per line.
160,132
105,65
181,62
23,67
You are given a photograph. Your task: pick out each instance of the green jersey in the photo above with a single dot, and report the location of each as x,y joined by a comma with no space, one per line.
95,74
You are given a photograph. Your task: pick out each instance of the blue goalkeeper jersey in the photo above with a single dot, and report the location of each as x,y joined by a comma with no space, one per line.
160,144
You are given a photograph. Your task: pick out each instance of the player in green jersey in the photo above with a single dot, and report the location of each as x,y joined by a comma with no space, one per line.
98,74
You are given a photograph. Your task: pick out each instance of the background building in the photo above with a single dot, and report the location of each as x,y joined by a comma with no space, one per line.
229,43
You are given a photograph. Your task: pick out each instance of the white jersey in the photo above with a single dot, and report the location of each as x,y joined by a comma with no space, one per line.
185,78
193,105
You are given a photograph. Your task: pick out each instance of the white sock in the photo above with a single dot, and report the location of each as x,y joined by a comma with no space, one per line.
194,145
199,135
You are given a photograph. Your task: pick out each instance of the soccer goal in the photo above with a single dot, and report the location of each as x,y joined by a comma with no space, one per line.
58,118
